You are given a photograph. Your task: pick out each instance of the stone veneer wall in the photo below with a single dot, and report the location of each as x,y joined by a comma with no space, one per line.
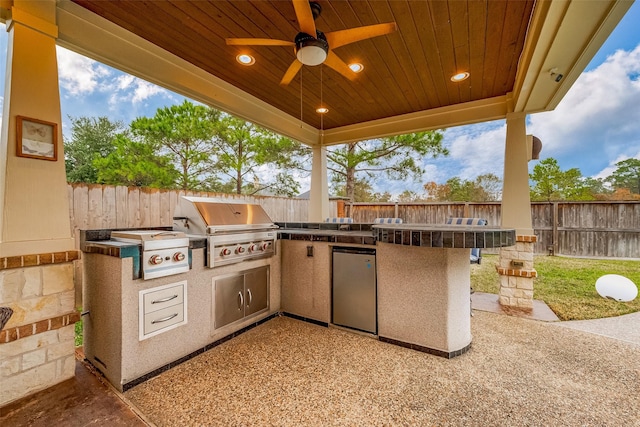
517,273
37,348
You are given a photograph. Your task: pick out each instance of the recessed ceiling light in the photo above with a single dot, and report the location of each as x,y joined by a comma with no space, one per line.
356,67
245,59
322,110
460,77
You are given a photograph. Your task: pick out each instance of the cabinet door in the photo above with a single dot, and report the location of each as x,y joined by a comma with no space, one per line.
230,300
256,283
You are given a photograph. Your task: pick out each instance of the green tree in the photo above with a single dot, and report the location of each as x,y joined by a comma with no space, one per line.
363,191
134,163
91,138
626,175
549,183
396,157
409,196
185,133
598,188
248,156
485,188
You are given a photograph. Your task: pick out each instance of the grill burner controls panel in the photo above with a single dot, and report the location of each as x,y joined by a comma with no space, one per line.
229,248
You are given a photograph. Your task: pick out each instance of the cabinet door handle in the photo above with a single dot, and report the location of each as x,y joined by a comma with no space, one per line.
158,301
240,300
249,297
164,319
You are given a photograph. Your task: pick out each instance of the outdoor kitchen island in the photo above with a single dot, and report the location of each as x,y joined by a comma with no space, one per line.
423,277
138,322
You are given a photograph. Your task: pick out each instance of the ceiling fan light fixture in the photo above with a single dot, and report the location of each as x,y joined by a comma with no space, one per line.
356,67
311,51
245,59
460,77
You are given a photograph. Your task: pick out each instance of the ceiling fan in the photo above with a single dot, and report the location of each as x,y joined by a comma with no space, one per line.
313,47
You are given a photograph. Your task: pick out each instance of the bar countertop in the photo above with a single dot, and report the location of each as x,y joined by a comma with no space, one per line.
424,235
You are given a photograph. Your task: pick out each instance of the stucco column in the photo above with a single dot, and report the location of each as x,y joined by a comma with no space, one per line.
516,262
516,204
33,192
36,247
319,194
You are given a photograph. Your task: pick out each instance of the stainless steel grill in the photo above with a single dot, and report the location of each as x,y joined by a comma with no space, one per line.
163,252
235,232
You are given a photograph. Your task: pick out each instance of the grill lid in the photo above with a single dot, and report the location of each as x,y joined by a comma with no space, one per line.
205,215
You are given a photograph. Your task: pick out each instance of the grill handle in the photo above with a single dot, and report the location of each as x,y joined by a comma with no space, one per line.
164,233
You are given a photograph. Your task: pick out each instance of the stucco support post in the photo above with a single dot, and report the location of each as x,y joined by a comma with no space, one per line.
36,247
319,194
516,262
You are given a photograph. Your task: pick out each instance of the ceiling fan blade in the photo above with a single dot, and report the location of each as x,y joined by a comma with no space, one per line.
305,17
333,61
291,72
259,42
343,37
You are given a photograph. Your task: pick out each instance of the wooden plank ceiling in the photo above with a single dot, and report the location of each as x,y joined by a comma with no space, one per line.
405,72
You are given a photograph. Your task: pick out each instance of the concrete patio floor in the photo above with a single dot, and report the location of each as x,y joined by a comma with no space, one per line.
287,372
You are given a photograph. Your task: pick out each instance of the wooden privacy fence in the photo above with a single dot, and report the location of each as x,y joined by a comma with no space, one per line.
597,229
589,229
95,206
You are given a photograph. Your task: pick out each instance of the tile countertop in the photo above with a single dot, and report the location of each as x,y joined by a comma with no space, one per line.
444,236
424,235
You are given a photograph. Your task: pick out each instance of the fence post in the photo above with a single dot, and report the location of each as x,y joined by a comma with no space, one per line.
554,221
341,209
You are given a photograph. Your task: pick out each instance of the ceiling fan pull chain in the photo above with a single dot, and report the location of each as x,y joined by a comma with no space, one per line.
301,122
321,100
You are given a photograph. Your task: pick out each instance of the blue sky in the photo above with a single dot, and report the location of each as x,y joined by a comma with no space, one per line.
596,125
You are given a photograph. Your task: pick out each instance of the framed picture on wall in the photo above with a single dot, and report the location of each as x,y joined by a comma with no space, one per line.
36,139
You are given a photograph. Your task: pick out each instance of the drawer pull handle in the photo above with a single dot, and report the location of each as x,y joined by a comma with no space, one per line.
158,301
164,319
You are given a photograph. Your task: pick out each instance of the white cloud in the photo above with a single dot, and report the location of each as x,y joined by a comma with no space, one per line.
599,119
78,74
124,81
145,90
479,150
606,172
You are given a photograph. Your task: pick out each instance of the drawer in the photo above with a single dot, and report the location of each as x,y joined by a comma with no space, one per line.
163,318
163,298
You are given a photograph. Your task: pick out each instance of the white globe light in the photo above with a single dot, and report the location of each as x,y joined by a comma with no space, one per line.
311,55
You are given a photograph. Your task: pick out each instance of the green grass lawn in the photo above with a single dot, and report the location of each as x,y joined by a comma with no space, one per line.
567,285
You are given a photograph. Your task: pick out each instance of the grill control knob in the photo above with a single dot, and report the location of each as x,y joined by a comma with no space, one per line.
240,250
225,252
179,256
253,248
264,246
155,260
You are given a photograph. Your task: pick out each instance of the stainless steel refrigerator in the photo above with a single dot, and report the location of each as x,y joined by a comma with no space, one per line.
354,293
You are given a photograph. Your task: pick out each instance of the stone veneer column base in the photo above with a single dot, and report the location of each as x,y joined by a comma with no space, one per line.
517,273
37,345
